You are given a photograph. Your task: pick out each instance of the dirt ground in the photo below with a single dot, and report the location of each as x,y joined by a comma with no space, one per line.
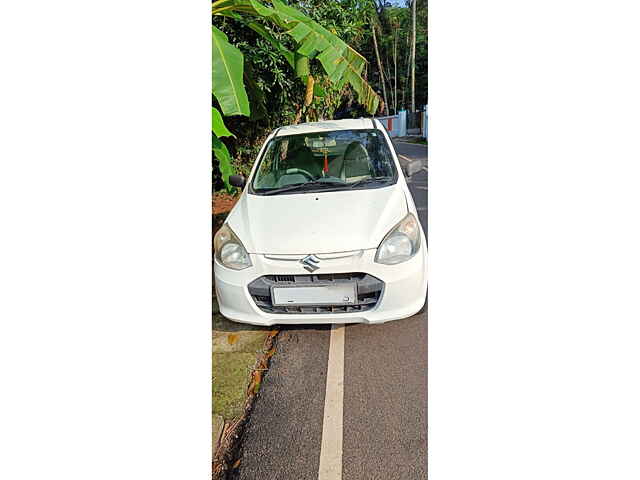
222,203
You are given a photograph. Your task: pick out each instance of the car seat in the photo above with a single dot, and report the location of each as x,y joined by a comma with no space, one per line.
356,162
336,167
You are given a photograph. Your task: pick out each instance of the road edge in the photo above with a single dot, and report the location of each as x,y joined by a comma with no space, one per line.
228,445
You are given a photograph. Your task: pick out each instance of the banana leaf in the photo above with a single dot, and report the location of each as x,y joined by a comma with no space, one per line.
227,78
224,159
217,124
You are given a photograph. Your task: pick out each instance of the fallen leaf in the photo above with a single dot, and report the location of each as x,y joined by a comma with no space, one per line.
258,380
232,338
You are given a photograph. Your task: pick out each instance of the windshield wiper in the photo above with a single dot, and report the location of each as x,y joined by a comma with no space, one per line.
304,186
364,181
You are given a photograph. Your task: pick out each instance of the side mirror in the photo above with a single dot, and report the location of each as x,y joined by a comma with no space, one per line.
237,181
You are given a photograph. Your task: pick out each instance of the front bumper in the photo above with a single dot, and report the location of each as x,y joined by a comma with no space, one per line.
404,293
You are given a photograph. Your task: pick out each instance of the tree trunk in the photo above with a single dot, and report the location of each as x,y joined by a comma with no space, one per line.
405,87
388,74
395,71
384,88
413,57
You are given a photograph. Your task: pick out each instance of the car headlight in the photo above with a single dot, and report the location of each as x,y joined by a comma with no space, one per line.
229,250
401,243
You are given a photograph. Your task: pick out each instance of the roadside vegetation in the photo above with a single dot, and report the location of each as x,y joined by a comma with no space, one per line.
277,62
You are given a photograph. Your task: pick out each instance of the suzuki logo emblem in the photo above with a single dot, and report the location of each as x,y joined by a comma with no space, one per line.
310,262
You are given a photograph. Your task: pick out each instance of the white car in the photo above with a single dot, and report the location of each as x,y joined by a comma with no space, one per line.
325,231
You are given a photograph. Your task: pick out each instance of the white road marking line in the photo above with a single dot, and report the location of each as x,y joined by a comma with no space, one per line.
331,446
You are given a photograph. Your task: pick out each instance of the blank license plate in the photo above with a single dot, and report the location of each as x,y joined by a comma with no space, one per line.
343,294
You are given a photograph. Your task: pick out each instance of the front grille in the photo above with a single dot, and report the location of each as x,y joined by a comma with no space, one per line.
369,290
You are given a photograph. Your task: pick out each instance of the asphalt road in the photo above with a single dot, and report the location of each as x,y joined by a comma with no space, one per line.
412,150
385,394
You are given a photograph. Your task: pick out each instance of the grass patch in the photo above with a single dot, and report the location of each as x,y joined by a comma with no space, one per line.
235,349
231,373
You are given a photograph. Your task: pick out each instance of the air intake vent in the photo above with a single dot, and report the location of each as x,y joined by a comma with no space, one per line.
369,290
284,278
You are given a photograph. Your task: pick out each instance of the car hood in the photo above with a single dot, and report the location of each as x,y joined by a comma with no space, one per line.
322,222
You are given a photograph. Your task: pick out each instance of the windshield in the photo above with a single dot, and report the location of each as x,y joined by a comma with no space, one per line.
338,160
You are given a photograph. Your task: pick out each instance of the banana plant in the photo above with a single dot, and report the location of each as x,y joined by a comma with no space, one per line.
341,63
228,88
220,149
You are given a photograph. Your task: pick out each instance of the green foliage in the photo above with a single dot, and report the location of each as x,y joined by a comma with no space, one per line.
256,94
217,124
341,63
227,78
272,89
224,160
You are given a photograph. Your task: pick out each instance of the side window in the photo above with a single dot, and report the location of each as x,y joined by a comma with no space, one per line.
267,160
264,177
380,154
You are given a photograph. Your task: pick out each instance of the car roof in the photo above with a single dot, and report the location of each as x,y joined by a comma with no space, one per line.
327,125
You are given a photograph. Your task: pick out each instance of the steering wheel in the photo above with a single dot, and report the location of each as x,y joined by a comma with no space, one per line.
290,171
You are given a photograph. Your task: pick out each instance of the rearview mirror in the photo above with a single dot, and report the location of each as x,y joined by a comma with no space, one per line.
237,181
